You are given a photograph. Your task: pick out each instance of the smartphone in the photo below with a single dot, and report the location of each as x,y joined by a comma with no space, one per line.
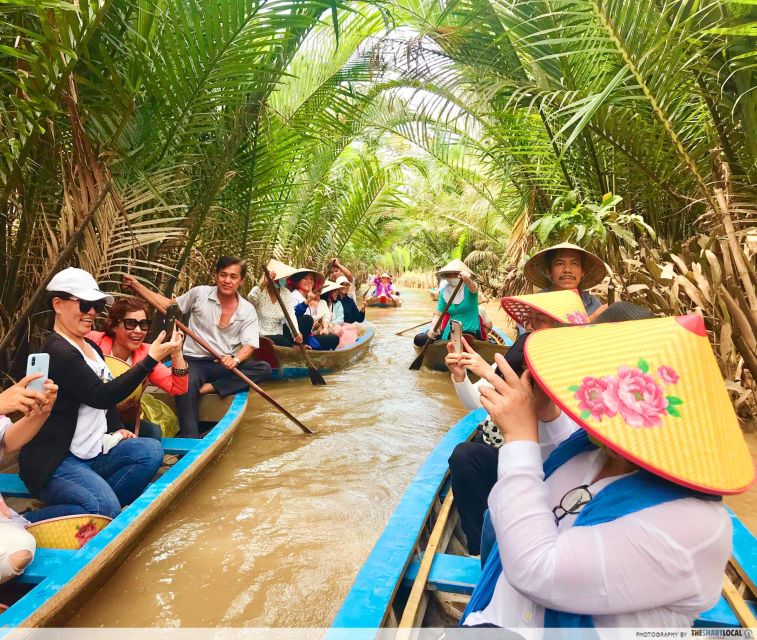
38,363
456,335
168,324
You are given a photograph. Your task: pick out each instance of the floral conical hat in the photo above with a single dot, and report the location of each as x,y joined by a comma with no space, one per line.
563,306
652,391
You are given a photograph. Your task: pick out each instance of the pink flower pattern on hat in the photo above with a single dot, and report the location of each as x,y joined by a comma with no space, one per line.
633,393
578,317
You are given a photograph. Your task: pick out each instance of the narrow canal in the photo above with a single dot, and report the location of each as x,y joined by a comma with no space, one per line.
274,532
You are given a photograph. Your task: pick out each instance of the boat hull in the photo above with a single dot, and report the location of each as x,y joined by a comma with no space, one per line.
287,362
437,351
64,580
383,302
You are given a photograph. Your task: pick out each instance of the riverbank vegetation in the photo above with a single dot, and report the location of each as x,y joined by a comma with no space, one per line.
152,136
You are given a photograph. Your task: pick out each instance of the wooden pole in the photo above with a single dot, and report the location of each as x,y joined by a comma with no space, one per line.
418,362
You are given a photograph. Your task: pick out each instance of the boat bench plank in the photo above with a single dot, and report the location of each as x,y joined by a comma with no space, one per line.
744,552
12,485
459,574
180,446
45,563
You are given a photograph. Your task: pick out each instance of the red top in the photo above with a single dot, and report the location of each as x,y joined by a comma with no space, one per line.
161,375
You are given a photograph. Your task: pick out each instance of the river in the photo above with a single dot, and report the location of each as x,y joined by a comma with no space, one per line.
274,532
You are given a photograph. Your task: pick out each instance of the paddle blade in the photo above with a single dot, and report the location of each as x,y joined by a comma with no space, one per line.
418,362
315,377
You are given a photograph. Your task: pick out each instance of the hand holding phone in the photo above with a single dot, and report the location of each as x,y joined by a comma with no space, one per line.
456,336
170,320
37,363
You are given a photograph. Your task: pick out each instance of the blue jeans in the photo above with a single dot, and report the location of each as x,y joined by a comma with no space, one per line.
103,484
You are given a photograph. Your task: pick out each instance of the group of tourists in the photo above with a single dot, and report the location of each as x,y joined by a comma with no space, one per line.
592,490
90,440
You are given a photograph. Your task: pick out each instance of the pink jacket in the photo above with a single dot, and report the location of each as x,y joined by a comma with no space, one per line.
161,375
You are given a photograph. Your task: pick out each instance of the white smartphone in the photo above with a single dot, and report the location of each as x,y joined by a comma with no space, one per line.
456,335
38,363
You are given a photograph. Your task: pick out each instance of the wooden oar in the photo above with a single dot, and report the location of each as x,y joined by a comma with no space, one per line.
219,357
418,362
417,326
315,377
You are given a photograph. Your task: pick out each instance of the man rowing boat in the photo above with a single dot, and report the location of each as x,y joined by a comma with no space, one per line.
229,324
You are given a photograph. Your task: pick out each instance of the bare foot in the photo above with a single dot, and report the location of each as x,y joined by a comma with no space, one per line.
206,389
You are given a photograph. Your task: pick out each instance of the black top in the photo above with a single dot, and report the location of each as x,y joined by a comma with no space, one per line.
77,385
351,313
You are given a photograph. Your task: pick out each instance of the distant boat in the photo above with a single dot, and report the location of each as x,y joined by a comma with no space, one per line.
61,580
287,362
426,521
383,301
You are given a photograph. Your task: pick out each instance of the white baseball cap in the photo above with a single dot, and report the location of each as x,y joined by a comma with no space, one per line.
78,283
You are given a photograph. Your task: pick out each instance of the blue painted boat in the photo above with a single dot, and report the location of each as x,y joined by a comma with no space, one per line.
287,362
62,579
386,591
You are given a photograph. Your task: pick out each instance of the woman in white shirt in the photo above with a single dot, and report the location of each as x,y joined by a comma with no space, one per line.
630,534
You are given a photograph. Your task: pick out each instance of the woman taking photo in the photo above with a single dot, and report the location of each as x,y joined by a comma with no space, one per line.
301,284
125,329
83,460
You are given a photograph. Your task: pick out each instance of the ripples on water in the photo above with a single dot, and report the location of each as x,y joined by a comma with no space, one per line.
275,531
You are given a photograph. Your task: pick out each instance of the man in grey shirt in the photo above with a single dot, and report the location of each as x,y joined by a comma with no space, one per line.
229,324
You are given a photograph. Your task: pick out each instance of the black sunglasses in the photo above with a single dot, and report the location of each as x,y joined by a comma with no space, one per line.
572,502
132,323
86,305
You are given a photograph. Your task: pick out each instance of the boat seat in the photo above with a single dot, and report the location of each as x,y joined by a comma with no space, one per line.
459,574
45,563
180,446
11,485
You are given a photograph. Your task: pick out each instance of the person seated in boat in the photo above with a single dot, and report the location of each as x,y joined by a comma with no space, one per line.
567,266
384,287
338,270
473,464
124,331
83,460
623,525
273,324
337,325
229,324
18,545
301,284
352,314
464,307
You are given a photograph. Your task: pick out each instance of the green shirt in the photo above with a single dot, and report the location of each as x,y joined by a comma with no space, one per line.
465,313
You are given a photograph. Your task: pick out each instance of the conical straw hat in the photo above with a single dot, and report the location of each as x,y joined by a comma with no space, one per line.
280,269
117,367
329,286
562,306
67,532
456,266
318,277
385,275
537,272
652,391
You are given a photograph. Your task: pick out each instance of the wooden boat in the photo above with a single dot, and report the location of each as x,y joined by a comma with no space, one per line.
436,352
383,301
419,575
287,362
60,580
434,293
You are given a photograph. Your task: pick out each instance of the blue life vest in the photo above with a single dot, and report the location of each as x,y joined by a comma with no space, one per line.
637,491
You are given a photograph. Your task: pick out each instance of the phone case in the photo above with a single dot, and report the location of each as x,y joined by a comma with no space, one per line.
37,363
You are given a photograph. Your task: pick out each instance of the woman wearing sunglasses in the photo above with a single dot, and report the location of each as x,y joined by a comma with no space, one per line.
124,331
623,525
83,460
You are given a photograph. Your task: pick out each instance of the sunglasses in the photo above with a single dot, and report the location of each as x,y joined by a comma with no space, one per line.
132,323
572,502
86,305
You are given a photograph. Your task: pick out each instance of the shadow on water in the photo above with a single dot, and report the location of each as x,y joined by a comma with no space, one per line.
274,533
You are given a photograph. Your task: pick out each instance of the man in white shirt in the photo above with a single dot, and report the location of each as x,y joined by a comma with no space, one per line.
229,324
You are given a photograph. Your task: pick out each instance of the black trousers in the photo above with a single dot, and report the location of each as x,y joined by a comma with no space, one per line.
472,474
422,337
305,327
226,383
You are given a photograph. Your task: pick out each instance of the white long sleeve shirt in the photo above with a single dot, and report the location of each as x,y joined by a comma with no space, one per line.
659,567
550,433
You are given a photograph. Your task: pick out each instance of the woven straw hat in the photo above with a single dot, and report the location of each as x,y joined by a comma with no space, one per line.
562,306
537,272
385,275
456,266
67,532
280,269
652,391
118,367
329,286
301,273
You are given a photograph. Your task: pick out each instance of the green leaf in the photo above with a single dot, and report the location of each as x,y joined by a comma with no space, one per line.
673,412
573,388
673,400
643,365
585,415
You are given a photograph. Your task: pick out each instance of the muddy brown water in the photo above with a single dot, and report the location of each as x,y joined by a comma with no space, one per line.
273,534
